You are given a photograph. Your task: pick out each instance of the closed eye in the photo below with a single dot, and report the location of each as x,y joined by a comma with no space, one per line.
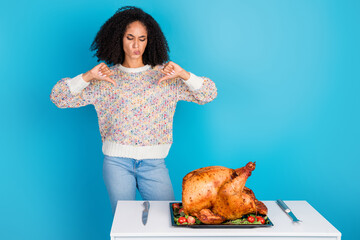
133,39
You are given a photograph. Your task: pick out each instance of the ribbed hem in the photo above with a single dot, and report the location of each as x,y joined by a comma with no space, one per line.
136,152
134,70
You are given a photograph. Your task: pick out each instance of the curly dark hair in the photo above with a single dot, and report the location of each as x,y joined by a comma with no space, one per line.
108,42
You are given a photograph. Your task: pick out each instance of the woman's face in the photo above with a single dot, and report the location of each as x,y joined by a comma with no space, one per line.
135,40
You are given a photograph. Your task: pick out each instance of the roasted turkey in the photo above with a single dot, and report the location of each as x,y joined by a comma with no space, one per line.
216,194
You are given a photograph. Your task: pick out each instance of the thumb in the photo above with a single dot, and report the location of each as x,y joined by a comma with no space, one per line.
106,78
164,79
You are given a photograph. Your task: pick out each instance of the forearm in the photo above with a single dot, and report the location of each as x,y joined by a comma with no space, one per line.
198,89
68,93
87,77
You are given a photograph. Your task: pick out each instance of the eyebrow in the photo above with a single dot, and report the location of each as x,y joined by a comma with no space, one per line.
133,35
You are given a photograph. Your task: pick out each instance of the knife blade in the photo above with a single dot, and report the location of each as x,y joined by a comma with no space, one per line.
287,210
145,212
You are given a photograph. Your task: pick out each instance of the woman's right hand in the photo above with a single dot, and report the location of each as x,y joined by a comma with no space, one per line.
99,72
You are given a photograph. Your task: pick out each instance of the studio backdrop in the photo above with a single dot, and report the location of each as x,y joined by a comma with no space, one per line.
287,75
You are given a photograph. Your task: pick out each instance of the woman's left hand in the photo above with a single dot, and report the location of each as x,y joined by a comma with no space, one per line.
172,70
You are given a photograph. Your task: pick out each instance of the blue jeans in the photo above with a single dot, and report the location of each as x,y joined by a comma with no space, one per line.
122,176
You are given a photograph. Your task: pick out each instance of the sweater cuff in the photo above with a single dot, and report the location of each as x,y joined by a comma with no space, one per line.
194,82
77,84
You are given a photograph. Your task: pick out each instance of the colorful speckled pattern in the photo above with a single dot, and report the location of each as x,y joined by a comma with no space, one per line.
138,111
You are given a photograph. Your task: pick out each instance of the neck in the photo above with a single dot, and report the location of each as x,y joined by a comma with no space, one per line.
133,63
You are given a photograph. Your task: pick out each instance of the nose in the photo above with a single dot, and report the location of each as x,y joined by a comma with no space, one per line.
136,43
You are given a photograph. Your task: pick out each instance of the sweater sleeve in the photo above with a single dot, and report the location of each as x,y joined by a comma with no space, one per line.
73,93
196,89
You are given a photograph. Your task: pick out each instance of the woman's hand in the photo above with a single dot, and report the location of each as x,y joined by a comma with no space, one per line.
172,70
99,72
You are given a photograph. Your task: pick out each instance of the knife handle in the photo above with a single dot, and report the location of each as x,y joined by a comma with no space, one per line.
146,205
283,206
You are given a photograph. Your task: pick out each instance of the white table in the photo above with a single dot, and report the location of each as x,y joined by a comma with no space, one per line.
127,224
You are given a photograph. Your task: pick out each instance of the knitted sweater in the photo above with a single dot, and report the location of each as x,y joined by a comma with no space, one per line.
135,117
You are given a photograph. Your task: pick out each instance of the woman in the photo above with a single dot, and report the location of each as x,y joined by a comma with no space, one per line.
135,99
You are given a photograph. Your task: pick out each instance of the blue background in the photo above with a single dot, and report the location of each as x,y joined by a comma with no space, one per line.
287,74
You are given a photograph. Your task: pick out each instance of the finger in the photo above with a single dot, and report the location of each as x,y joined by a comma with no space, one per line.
164,79
163,72
108,72
167,77
98,67
110,80
101,65
100,73
103,76
104,67
170,65
171,72
168,73
167,70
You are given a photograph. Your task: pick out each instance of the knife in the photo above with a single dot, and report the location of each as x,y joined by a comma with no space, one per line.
287,210
145,212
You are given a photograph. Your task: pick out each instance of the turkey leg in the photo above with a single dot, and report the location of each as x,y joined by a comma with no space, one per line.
208,217
232,201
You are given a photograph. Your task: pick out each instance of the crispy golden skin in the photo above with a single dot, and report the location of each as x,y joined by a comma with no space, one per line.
215,194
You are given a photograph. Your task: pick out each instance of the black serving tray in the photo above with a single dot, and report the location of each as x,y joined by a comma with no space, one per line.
173,223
